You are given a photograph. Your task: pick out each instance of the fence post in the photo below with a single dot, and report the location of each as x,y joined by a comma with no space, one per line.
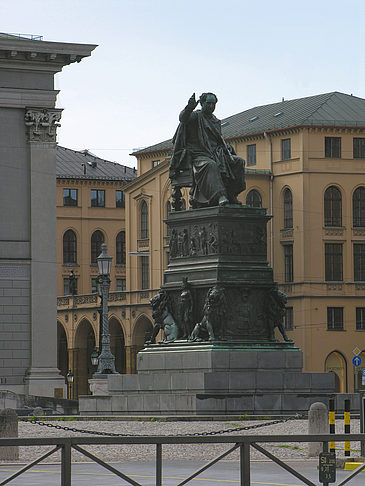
158,464
66,464
245,476
9,428
317,424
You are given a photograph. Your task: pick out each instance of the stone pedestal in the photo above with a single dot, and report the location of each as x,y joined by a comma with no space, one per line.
213,379
227,247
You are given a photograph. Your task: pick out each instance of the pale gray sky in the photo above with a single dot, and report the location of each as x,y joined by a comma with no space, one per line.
153,54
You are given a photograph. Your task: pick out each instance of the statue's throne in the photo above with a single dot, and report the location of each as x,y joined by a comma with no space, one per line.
182,178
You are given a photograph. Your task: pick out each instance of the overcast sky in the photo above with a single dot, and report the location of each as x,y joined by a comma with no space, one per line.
153,54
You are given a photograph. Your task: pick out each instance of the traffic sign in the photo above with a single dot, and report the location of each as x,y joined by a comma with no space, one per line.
356,351
356,361
327,467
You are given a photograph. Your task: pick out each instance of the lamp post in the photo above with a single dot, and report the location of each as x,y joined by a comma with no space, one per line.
95,358
70,380
106,363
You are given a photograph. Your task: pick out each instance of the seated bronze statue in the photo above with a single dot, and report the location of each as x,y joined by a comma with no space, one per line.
217,172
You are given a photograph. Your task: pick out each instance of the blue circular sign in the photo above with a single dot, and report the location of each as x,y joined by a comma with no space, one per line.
356,361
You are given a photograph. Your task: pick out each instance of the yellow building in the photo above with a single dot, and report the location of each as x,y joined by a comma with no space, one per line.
90,211
305,163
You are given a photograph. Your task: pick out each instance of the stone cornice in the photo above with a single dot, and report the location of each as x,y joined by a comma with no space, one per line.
20,98
40,55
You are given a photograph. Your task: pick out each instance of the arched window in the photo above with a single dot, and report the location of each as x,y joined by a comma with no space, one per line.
288,209
144,220
358,207
97,239
332,207
253,199
120,246
69,247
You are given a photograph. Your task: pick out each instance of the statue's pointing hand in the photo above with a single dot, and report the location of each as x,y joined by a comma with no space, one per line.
192,103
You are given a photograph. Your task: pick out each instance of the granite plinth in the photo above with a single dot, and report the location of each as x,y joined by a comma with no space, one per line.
208,379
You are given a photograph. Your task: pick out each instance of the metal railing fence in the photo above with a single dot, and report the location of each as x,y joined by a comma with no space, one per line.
240,442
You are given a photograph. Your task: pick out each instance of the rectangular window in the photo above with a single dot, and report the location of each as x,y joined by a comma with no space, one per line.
119,199
66,286
332,147
360,318
359,148
251,155
288,319
145,279
94,285
286,149
121,284
155,163
333,262
97,198
359,262
288,262
70,197
334,318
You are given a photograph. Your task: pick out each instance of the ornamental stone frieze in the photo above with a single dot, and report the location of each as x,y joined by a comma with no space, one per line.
42,124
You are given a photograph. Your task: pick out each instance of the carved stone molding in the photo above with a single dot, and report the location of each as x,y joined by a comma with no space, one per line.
333,232
334,286
116,296
85,299
63,301
359,231
360,286
42,124
287,233
143,243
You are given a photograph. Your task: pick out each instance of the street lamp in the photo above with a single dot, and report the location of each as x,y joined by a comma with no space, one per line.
106,363
70,380
95,358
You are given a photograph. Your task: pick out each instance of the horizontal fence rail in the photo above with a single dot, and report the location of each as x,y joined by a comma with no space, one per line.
241,442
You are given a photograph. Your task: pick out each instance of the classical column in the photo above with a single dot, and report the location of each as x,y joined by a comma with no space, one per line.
41,127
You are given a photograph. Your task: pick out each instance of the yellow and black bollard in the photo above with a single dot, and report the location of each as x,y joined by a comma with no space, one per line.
332,422
347,426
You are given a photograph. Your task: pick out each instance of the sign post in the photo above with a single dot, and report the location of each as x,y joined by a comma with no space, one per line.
327,467
356,361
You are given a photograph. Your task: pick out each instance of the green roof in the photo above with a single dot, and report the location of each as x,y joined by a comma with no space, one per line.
329,109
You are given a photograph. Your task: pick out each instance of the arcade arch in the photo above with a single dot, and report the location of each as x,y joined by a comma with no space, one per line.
81,366
117,344
336,363
141,333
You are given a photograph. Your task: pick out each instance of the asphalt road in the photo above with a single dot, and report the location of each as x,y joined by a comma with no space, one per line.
263,473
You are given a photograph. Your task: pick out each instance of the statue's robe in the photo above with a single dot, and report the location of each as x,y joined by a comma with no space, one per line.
217,171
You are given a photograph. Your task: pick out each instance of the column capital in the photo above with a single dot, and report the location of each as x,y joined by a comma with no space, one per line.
42,124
